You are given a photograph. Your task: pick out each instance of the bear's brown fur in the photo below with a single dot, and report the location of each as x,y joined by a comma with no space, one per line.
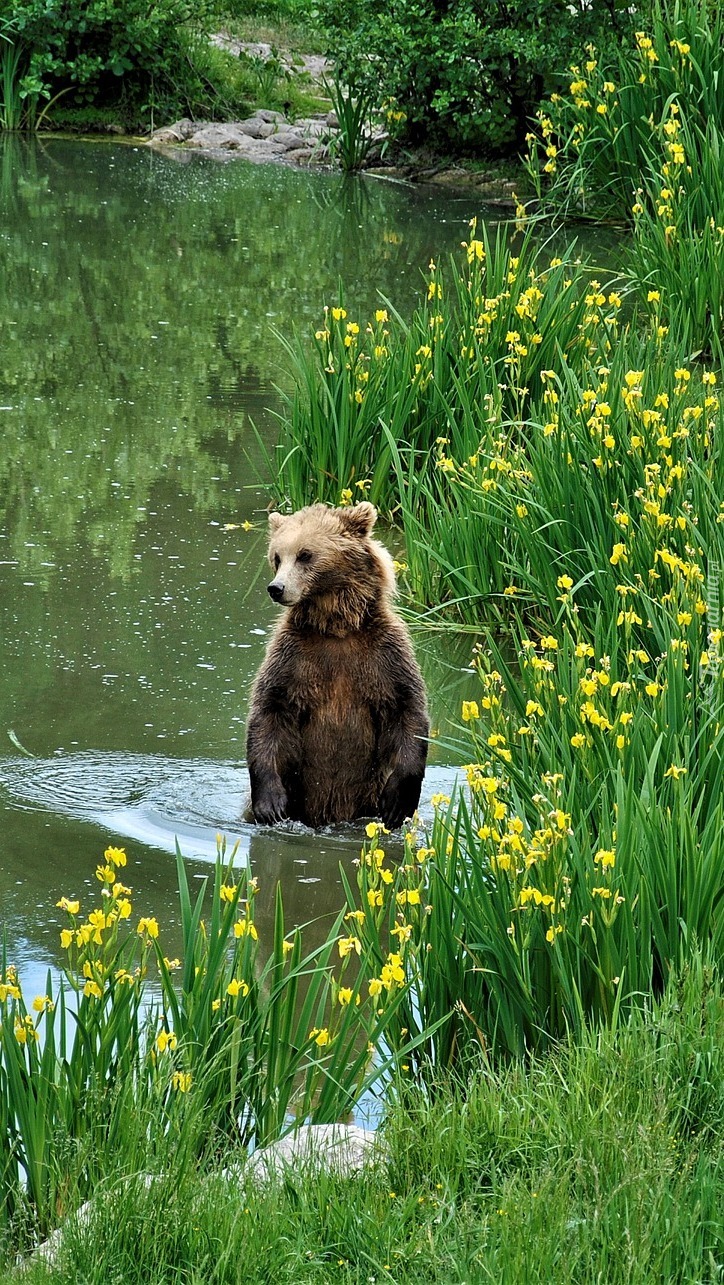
338,724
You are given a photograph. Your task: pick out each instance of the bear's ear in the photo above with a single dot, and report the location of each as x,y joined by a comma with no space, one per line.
360,519
275,521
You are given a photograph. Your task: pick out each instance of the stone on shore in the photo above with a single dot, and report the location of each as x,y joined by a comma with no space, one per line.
265,136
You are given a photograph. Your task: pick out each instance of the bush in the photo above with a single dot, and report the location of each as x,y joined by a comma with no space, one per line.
460,76
138,57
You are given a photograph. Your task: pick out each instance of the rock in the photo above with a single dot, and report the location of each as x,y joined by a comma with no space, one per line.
177,133
342,1149
49,1251
305,156
332,121
218,136
185,127
289,140
316,66
254,50
255,128
313,65
266,114
266,136
314,127
450,177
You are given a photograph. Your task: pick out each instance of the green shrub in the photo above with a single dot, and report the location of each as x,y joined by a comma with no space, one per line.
141,58
460,76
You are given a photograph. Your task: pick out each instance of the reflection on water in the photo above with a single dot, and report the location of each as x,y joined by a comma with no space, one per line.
140,335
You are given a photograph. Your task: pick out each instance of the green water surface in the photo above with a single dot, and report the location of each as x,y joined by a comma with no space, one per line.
143,300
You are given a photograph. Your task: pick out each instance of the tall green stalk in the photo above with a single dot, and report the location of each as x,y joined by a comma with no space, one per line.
353,106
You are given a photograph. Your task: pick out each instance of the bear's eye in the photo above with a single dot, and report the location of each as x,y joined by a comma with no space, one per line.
277,560
304,555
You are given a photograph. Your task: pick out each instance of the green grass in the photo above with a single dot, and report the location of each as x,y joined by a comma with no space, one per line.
285,25
354,109
600,1162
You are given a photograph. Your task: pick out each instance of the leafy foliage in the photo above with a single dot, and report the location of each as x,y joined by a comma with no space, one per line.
139,57
461,76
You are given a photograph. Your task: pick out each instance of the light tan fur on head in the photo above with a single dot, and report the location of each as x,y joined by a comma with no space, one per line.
327,556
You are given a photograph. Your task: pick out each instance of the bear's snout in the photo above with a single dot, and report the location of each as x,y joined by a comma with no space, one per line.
275,591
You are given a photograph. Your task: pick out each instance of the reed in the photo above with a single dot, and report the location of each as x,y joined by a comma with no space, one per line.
354,107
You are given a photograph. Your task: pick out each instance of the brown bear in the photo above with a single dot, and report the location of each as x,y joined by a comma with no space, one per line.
338,725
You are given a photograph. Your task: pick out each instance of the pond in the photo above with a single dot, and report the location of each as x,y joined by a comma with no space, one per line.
144,303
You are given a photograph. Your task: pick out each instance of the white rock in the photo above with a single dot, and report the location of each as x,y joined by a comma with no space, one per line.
342,1149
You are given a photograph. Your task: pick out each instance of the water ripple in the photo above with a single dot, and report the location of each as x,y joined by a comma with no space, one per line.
158,800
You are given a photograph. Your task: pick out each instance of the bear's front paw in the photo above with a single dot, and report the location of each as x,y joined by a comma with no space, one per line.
399,799
270,807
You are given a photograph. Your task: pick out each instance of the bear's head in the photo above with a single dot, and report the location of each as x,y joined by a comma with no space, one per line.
325,560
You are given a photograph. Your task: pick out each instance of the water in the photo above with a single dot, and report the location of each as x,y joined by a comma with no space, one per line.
144,300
